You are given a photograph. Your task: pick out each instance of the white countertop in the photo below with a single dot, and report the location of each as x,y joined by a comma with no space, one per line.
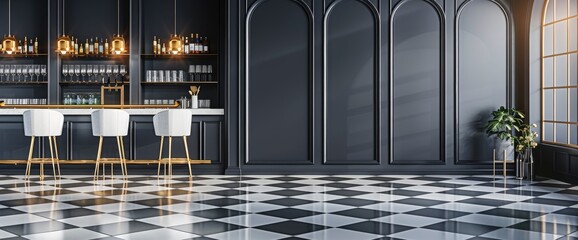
142,111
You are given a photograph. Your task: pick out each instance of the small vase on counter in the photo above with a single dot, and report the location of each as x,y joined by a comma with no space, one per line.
194,92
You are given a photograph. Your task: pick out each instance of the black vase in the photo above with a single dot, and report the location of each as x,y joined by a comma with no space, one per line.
525,165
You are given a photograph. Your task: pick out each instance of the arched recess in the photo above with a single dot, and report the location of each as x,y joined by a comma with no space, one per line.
417,86
483,75
351,83
279,70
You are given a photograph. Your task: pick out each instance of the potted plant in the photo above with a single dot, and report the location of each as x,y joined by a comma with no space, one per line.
504,122
525,141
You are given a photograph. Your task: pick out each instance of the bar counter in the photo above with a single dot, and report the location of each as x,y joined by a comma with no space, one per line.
77,145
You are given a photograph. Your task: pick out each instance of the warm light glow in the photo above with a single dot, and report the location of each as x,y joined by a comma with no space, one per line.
118,45
9,44
63,44
175,44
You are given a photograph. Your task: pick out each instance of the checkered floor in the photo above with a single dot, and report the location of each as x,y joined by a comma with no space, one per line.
288,207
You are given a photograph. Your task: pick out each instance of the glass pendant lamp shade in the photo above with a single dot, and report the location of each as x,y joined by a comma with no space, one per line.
175,44
118,45
63,44
9,45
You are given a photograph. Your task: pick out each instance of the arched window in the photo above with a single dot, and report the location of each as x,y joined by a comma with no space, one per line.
559,73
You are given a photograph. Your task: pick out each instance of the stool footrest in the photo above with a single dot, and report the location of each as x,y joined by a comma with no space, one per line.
184,161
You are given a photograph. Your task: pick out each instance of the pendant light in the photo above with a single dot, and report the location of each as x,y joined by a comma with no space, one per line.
63,42
118,45
9,43
175,44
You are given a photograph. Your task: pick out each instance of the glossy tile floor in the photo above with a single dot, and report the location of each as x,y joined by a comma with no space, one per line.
288,207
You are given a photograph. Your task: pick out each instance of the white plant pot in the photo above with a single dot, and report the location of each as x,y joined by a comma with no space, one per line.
500,146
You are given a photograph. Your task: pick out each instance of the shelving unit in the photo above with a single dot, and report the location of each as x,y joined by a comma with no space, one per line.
138,28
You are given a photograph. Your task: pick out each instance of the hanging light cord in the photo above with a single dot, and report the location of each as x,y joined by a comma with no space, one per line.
118,17
175,20
9,16
63,15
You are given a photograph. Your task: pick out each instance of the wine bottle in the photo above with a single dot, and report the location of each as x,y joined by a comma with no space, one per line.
20,47
164,49
206,45
101,47
159,50
31,47
192,44
155,45
36,45
91,46
86,47
199,45
106,47
187,45
25,50
76,46
96,47
80,49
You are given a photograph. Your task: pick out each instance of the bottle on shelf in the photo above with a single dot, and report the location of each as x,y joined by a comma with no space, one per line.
91,46
35,45
155,45
31,47
192,44
187,45
164,49
101,47
25,45
206,45
76,46
96,47
20,47
86,47
106,47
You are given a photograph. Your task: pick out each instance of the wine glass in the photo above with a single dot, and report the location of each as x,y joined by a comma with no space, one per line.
13,72
95,70
77,72
65,71
31,71
25,69
102,71
115,71
43,71
1,72
37,72
109,72
19,72
122,73
82,71
89,72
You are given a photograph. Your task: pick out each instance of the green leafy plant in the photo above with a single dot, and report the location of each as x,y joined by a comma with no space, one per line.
504,121
526,137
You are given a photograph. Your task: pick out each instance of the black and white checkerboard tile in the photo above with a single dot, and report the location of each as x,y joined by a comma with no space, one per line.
288,207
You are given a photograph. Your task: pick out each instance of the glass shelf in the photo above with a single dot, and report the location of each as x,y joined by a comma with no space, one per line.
171,56
23,83
179,83
93,57
23,55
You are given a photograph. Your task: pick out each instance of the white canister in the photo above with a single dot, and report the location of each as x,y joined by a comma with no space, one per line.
194,101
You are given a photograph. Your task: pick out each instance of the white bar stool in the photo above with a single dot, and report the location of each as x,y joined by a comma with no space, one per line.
43,123
110,123
173,123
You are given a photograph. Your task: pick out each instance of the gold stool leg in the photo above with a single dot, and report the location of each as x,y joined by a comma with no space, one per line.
170,158
119,155
160,156
97,167
29,162
52,156
123,156
187,154
57,157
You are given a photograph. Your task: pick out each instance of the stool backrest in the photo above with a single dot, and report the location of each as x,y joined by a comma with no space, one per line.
173,123
109,122
42,123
